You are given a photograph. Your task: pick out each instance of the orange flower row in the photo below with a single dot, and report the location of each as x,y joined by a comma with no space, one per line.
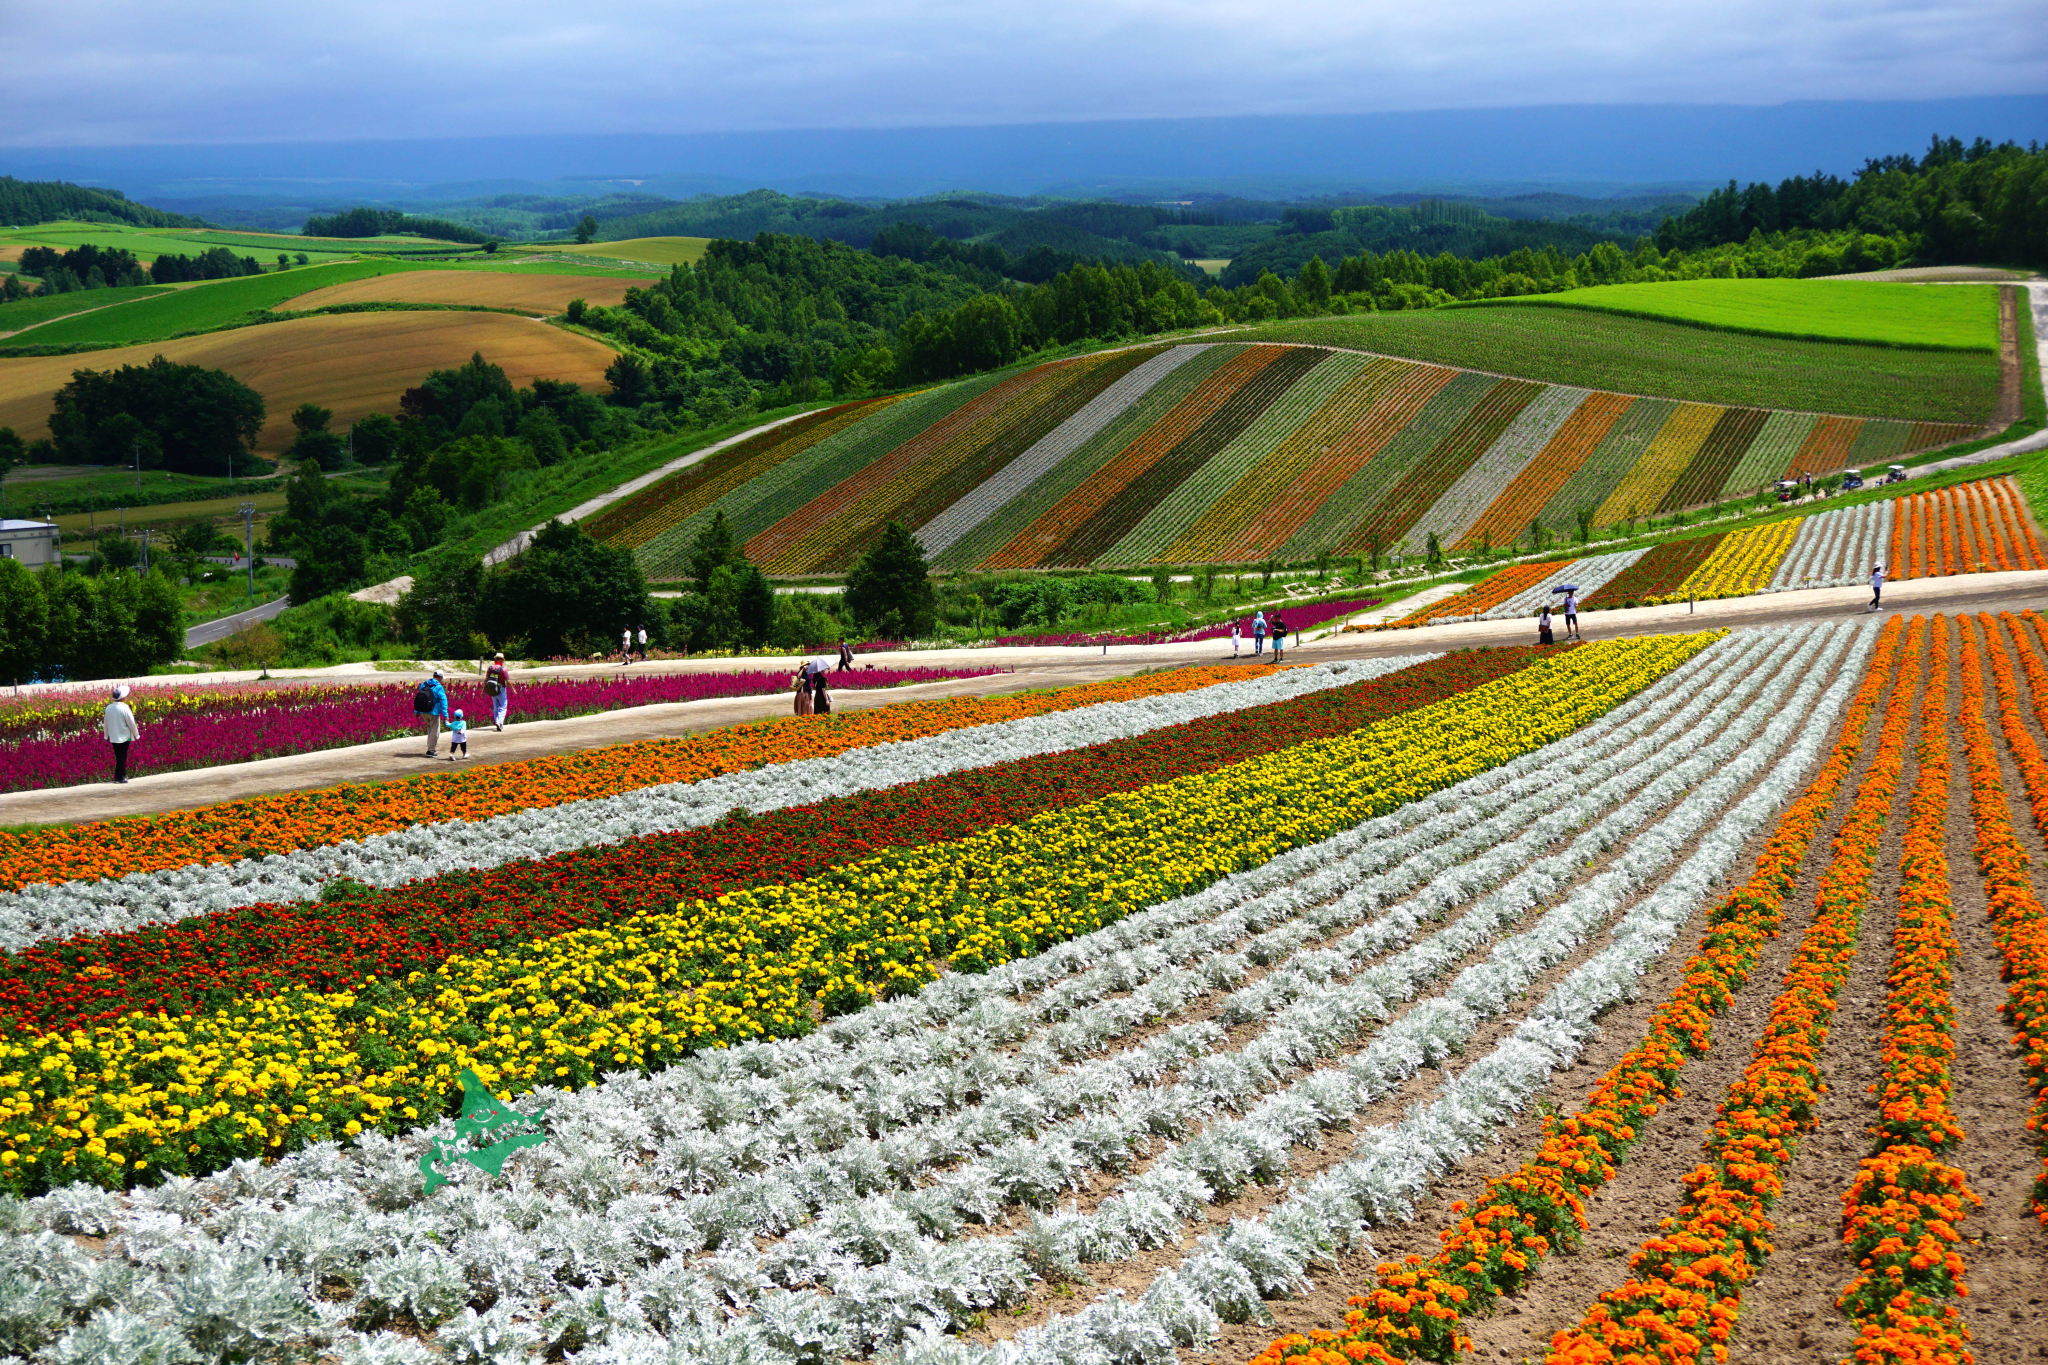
292,820
2019,921
1522,1216
1685,1289
1479,597
1902,1212
1974,527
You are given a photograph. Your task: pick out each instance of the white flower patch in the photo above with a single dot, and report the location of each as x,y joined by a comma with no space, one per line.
47,911
629,1236
1836,549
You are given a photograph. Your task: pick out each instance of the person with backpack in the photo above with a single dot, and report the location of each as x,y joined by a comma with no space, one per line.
1279,636
430,704
845,657
498,687
1258,633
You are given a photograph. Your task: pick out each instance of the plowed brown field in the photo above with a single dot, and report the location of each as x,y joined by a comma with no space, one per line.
354,363
540,294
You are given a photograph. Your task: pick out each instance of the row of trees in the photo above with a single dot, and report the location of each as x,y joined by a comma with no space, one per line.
97,267
81,626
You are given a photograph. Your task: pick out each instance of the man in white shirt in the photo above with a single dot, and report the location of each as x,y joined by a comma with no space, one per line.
1876,585
118,721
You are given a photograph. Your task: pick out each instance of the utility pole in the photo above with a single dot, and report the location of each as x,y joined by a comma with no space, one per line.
248,511
138,465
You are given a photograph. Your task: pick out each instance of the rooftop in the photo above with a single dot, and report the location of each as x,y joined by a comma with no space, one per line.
11,524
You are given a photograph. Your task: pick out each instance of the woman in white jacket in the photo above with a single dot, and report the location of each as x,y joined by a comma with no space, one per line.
121,730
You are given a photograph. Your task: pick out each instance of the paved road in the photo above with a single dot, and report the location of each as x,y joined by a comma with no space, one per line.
207,632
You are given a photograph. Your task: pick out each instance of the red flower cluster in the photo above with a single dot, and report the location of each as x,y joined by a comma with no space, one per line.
201,963
1495,1246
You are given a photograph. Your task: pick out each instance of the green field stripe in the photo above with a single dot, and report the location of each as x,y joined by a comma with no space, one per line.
1063,478
1363,491
1114,519
945,488
1447,461
1701,480
1610,461
1181,508
1878,442
202,307
761,502
1769,455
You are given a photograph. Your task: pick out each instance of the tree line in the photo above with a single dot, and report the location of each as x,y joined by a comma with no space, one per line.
369,222
26,202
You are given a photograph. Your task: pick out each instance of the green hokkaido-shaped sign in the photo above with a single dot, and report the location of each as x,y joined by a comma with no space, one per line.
484,1116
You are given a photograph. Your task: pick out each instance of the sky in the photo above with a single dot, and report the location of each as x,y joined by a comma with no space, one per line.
125,72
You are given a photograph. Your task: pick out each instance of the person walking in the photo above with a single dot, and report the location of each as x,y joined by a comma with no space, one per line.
802,689
1543,635
1571,615
821,701
1233,637
1279,636
845,657
119,724
643,644
626,647
498,687
458,736
1258,633
430,704
1876,586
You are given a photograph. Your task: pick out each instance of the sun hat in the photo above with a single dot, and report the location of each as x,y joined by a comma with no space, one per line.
120,691
499,655
458,713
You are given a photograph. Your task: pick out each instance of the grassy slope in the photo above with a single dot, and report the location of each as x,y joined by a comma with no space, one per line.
1669,360
203,307
31,312
1956,317
652,250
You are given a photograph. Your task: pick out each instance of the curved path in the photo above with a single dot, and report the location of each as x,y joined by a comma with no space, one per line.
1033,668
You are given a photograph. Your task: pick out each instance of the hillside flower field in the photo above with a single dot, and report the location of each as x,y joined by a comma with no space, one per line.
1237,452
1095,1024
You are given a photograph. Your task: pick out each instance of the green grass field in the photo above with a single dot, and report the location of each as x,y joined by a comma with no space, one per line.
650,250
30,312
203,307
1956,317
1669,360
149,243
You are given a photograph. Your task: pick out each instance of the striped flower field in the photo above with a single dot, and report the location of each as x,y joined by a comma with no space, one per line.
1225,452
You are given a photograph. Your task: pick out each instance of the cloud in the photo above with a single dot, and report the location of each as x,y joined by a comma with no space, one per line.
103,72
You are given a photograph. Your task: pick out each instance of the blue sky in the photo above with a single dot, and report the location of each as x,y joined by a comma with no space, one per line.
107,72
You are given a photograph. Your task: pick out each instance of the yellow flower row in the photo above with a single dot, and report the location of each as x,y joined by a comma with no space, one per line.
151,1093
1741,564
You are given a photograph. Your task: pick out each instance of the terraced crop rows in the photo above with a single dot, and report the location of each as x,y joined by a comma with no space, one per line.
1230,453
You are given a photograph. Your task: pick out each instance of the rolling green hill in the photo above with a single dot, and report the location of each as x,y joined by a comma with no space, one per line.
1953,317
1671,360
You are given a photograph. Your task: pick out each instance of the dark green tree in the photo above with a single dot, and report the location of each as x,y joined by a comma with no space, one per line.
441,608
375,438
565,585
714,548
586,230
889,590
204,421
24,619
314,441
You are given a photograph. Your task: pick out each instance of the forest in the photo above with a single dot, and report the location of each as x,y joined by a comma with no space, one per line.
24,202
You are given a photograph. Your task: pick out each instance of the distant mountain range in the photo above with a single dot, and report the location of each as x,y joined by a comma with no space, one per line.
1586,150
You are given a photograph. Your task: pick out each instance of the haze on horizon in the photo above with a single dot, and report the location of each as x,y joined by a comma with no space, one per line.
121,72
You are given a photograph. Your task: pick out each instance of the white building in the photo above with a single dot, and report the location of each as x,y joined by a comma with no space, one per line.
33,543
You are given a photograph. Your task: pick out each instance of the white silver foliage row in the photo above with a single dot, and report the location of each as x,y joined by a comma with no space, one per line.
1399,1162
47,911
595,1207
1589,574
1836,549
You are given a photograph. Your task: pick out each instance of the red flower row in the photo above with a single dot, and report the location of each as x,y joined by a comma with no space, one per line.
1522,1216
201,963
